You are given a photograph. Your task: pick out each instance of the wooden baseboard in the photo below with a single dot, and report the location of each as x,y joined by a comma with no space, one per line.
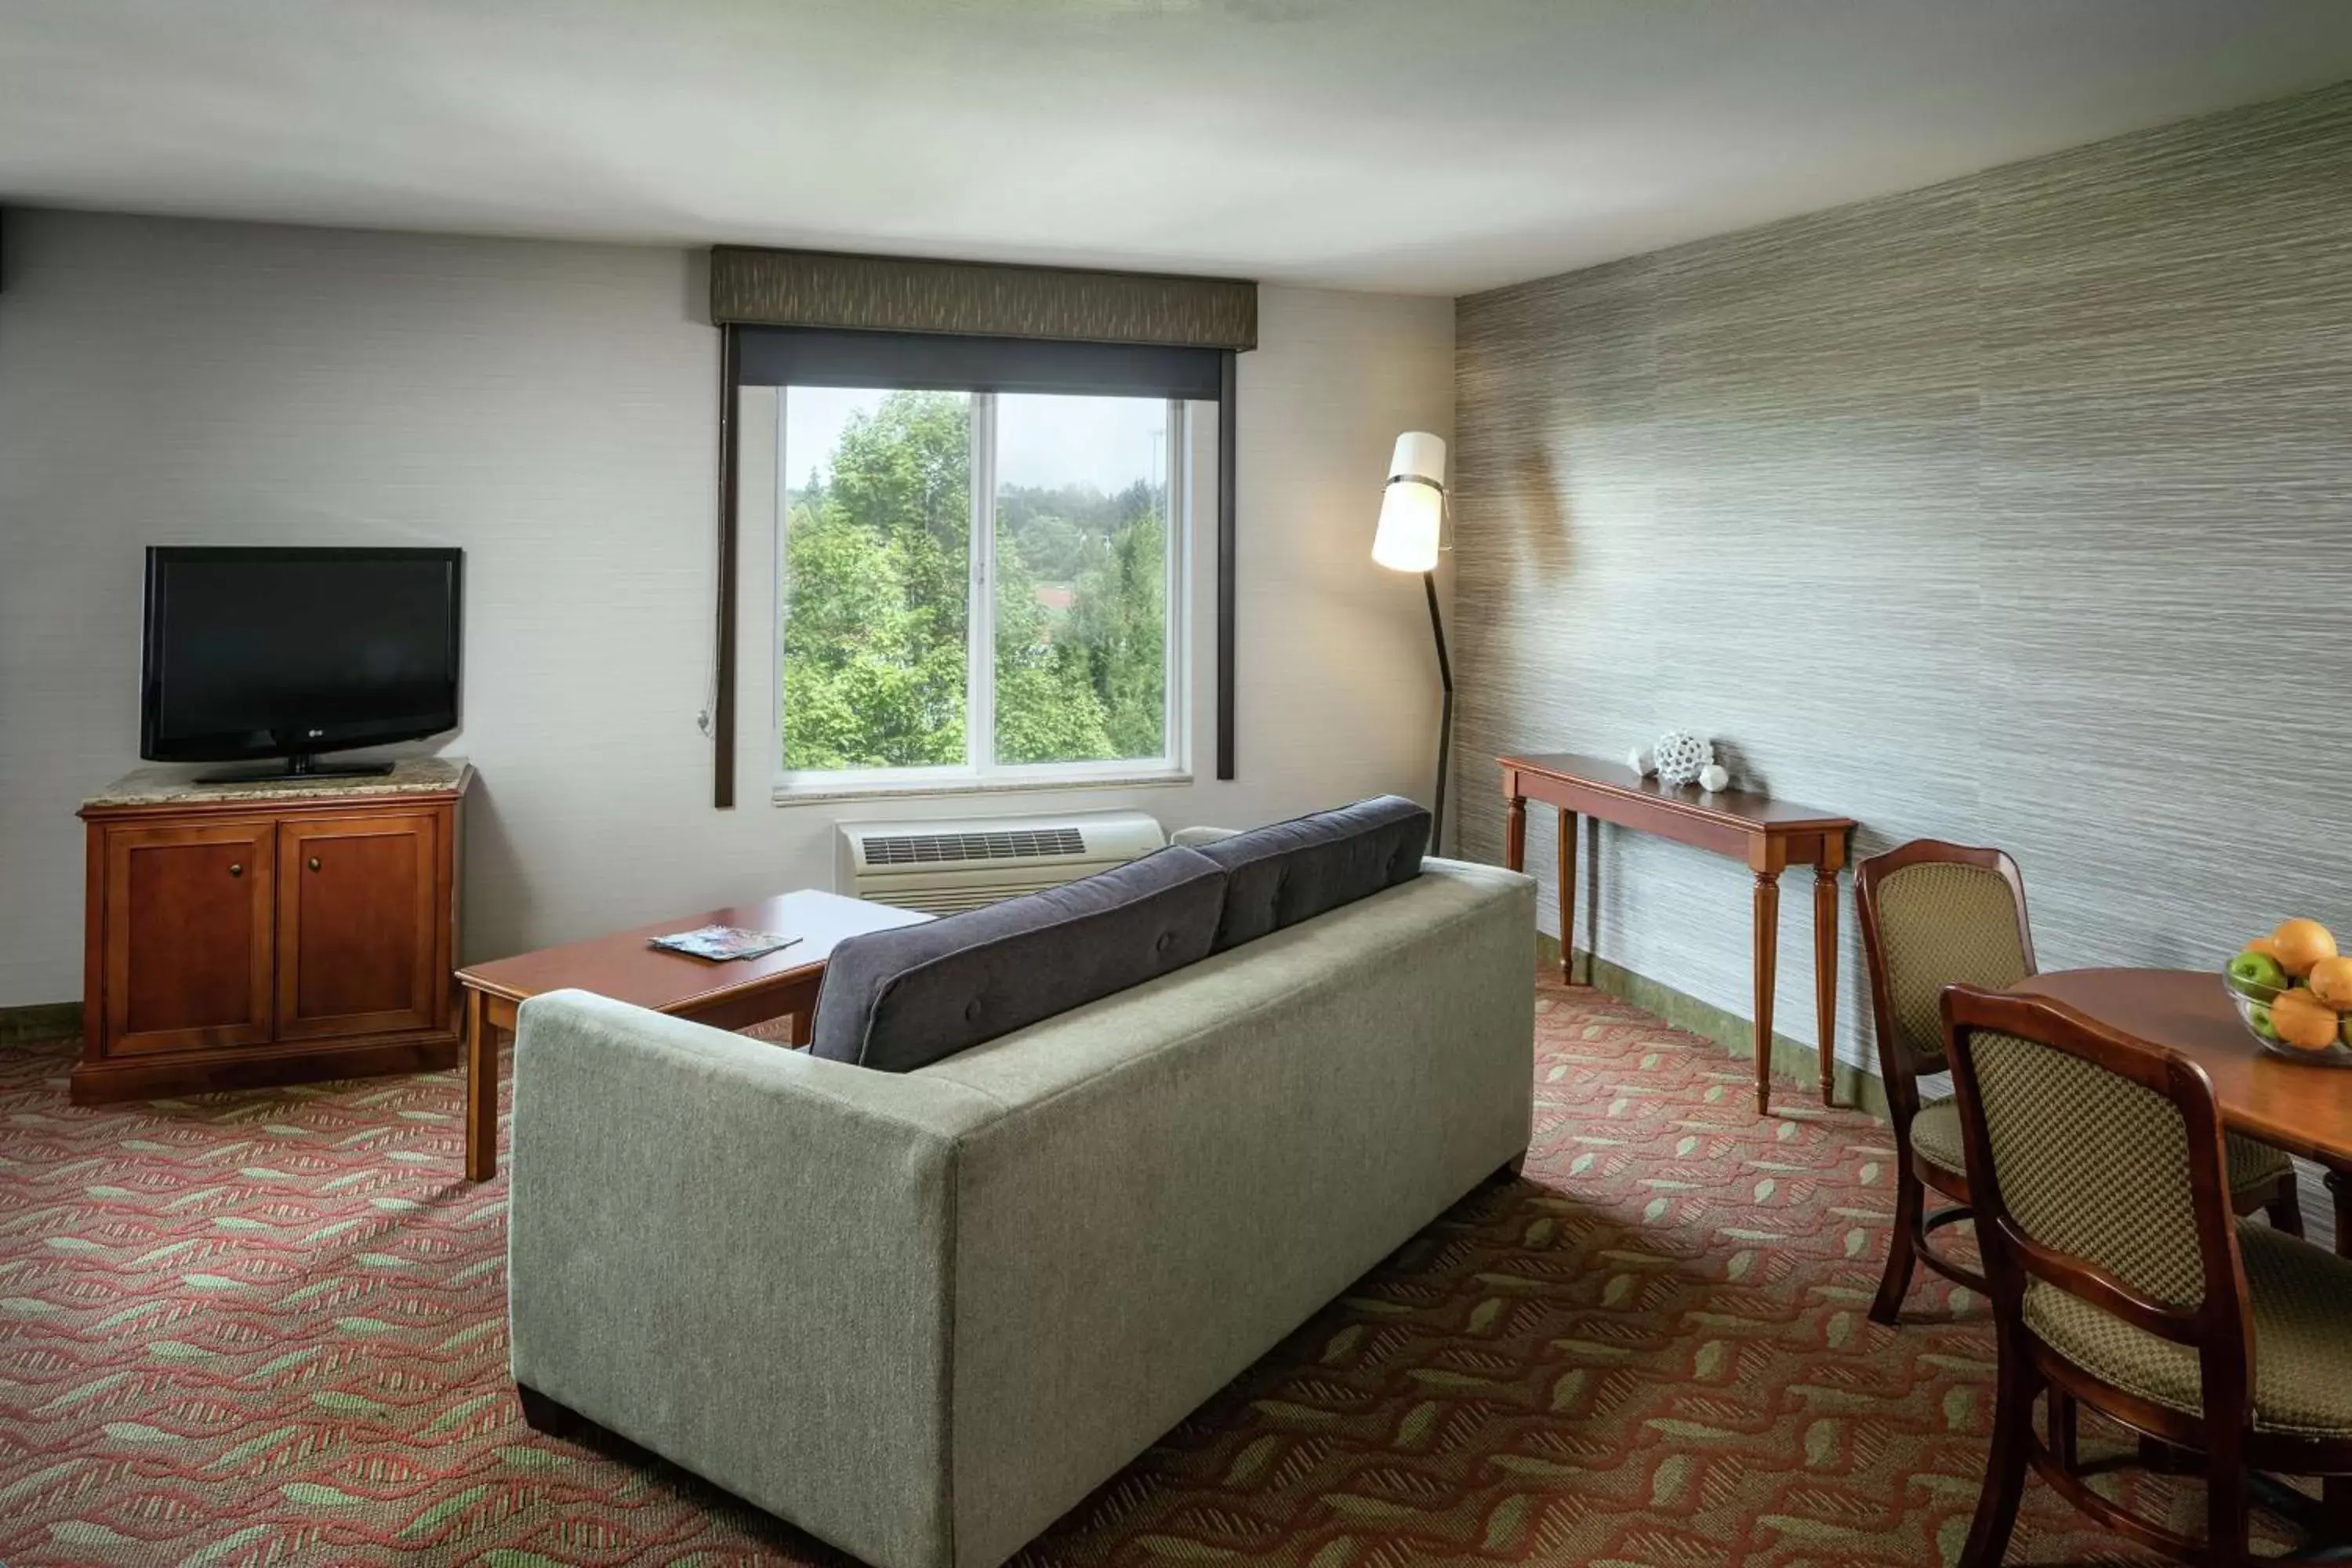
44,1021
1790,1058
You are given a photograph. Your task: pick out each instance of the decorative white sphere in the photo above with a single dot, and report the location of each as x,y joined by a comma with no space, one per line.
1714,776
1641,762
1682,757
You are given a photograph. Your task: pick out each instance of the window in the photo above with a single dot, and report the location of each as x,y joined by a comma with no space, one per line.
978,588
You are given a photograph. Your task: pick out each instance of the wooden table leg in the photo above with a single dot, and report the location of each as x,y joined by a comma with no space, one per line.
1570,824
1825,959
1515,834
1768,962
481,1090
2340,1187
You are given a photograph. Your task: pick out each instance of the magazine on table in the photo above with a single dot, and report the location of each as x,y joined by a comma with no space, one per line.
719,943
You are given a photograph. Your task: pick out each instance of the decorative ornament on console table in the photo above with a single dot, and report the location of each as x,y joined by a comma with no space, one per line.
1682,757
1713,777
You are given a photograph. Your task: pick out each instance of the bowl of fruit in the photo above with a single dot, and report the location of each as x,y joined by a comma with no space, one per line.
2294,992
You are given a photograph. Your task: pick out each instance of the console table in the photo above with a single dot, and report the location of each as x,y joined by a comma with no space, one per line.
1768,834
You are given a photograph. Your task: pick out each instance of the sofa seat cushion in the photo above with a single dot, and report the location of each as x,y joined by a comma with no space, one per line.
899,1000
1291,871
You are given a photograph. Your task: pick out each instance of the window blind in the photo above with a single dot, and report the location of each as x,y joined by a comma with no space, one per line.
926,362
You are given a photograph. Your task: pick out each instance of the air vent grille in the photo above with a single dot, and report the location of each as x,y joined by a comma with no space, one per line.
955,901
948,849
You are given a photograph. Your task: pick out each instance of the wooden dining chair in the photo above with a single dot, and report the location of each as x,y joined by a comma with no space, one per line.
2122,1278
1935,914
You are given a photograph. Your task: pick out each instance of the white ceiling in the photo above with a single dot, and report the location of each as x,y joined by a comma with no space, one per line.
1429,145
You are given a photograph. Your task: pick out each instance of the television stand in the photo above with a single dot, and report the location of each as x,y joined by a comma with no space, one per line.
275,933
302,765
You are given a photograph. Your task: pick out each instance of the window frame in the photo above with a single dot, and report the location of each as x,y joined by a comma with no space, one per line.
979,771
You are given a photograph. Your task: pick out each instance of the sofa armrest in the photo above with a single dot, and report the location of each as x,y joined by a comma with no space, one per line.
740,1258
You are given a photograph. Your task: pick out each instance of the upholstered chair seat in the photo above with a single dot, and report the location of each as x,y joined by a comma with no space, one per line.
2255,1169
1936,1134
2301,1299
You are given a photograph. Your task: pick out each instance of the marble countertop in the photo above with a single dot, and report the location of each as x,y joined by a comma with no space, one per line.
176,783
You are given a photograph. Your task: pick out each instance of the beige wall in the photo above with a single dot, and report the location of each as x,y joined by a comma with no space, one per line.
550,407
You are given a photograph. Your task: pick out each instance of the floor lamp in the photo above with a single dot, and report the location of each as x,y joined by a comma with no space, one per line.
1413,514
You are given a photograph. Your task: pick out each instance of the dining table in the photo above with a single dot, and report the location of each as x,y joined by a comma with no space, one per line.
2303,1107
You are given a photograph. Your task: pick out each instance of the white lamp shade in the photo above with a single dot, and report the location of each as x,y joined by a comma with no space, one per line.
1407,539
1421,455
1413,508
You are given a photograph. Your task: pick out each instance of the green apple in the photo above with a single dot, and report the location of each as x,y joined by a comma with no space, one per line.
2258,975
2345,1034
2260,1016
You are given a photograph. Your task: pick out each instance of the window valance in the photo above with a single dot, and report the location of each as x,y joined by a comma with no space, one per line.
753,286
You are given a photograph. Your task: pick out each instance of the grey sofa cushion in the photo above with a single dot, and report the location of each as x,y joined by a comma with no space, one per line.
1286,872
899,1000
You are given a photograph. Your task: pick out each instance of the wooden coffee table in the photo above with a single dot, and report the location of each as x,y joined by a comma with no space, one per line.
726,995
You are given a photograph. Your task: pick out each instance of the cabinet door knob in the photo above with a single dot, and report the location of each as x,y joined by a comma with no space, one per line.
237,868
314,862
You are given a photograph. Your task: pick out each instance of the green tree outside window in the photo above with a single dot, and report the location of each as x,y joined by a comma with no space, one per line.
877,610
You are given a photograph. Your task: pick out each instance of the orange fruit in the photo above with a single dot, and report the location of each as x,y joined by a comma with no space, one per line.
2299,944
2303,1020
2331,981
2265,945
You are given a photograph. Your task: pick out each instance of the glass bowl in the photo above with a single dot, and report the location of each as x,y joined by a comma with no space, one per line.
2253,1002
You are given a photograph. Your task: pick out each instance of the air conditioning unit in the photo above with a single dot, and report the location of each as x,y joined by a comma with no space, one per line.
942,866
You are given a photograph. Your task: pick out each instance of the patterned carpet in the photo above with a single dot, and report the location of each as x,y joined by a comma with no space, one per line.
267,1329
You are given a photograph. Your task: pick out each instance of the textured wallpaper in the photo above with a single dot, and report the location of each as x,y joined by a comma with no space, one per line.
2017,511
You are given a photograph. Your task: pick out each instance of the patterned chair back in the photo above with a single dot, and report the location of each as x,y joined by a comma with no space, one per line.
2096,1166
2091,1165
1935,914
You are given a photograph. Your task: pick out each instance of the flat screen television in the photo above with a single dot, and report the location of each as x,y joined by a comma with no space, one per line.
287,653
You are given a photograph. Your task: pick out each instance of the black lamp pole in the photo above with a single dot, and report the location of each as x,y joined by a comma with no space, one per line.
1445,719
1421,461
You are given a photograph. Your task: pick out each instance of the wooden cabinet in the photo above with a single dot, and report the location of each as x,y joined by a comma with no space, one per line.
187,936
356,911
269,933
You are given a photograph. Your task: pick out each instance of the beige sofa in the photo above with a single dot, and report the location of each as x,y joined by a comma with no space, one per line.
922,1315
